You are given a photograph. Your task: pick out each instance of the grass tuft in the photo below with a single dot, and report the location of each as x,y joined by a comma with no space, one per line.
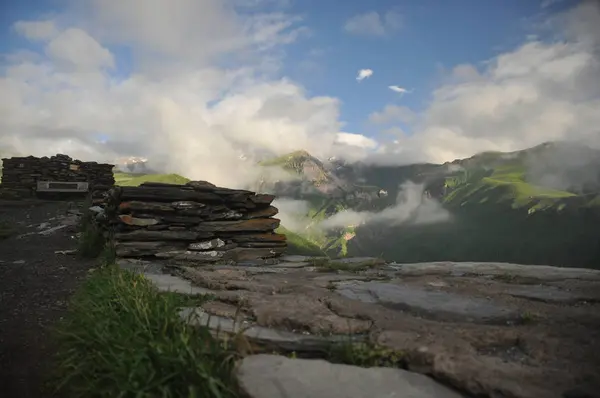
122,338
366,355
92,241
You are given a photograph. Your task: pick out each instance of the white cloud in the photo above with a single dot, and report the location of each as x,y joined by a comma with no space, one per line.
75,49
363,74
36,30
373,24
178,107
540,91
411,207
398,89
357,140
188,33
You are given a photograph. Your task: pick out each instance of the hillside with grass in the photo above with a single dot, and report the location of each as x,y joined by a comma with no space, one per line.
134,180
539,205
536,206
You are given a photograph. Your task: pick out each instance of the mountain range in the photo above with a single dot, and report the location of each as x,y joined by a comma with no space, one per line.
537,206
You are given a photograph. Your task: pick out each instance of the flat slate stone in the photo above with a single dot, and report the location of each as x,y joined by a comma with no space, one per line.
297,259
273,376
175,284
252,270
272,338
356,260
549,294
291,264
441,305
539,272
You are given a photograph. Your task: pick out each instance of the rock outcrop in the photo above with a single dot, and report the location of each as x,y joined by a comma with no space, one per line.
21,174
194,223
483,329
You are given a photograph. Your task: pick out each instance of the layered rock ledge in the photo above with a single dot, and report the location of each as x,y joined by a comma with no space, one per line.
482,329
196,223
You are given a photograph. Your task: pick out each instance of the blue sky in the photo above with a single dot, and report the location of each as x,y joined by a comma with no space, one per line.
154,77
434,34
431,36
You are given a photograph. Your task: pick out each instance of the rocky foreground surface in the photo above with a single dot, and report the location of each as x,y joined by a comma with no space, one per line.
455,329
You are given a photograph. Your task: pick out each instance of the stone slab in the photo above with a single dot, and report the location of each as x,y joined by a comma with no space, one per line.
538,272
251,270
438,304
550,294
359,260
298,259
290,264
272,338
175,284
273,376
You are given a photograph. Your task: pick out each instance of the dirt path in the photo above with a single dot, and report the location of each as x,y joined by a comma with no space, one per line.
35,285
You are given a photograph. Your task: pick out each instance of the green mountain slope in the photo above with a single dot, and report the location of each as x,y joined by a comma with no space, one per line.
134,180
326,192
300,245
503,207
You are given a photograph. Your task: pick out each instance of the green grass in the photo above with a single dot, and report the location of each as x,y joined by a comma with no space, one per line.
294,162
300,245
122,338
290,161
367,355
92,242
134,180
505,184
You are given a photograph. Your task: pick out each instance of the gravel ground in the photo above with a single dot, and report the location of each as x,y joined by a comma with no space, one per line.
35,284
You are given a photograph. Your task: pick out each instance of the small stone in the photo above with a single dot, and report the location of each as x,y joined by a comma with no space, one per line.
273,376
140,222
207,245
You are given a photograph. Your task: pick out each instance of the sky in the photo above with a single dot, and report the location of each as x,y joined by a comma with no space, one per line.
202,87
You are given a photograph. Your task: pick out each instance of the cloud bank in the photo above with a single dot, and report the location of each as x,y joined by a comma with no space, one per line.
411,207
178,105
197,87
